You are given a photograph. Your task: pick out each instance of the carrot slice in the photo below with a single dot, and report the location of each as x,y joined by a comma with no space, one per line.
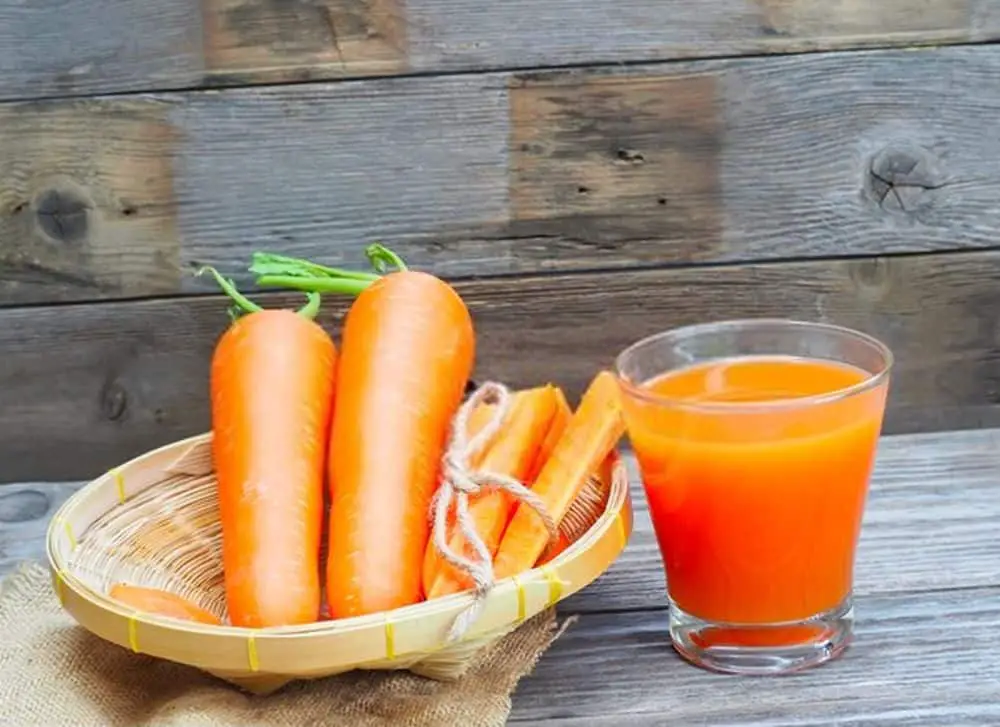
512,453
556,427
588,506
592,432
162,603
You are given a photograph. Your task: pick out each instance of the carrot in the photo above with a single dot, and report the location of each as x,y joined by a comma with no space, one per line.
162,603
272,378
592,432
511,454
584,512
556,427
407,350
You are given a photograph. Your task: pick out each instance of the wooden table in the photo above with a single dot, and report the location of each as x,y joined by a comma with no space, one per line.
927,646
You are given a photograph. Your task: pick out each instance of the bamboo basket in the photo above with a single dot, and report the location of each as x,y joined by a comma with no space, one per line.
154,522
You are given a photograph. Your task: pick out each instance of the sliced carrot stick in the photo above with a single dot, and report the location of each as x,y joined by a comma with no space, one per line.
511,454
592,432
588,506
556,427
162,603
482,415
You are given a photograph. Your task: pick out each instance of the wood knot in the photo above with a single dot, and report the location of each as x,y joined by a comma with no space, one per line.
114,401
63,214
19,507
872,277
901,179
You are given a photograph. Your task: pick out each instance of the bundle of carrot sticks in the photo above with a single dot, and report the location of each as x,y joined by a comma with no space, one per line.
360,435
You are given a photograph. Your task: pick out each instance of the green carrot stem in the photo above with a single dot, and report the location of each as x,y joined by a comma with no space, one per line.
266,263
245,305
343,286
381,257
229,288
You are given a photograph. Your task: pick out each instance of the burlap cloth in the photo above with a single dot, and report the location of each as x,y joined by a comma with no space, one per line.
54,673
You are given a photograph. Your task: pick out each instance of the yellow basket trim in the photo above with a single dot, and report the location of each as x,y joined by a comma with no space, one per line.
252,658
69,532
555,585
133,634
119,478
390,638
620,522
60,588
522,608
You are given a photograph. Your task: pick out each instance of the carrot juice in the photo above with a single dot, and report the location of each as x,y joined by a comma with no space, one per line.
756,466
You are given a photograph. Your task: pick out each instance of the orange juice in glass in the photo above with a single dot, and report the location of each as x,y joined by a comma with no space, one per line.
755,441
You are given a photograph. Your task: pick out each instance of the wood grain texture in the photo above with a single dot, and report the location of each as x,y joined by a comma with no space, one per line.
101,383
51,47
617,160
722,161
86,200
926,659
271,40
933,500
62,47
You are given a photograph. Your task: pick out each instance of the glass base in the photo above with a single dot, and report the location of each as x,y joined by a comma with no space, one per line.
762,650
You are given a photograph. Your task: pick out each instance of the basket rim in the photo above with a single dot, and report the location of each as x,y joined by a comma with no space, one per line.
619,499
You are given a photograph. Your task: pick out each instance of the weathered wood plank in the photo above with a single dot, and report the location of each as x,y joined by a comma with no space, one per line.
100,383
721,161
924,659
55,48
86,200
250,41
933,500
25,511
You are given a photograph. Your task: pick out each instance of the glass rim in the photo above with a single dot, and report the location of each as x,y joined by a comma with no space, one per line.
871,381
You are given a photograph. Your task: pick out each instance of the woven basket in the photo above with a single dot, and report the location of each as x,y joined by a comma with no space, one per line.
154,522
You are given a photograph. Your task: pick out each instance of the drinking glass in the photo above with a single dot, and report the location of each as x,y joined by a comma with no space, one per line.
755,441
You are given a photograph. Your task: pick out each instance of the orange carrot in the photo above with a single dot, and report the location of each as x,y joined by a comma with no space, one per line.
592,432
272,379
556,427
407,350
162,603
511,454
584,512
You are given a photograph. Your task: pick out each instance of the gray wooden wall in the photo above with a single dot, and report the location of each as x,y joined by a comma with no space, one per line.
587,171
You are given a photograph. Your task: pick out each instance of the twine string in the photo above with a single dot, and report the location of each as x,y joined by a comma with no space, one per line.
459,482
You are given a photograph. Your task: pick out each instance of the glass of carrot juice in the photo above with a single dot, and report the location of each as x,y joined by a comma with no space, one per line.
755,441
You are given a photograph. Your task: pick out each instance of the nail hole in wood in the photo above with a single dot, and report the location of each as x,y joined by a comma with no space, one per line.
630,157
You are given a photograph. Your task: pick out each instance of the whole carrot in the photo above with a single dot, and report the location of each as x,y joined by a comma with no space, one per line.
163,603
272,378
407,350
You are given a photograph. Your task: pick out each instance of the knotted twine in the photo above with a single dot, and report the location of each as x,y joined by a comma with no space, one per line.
459,482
